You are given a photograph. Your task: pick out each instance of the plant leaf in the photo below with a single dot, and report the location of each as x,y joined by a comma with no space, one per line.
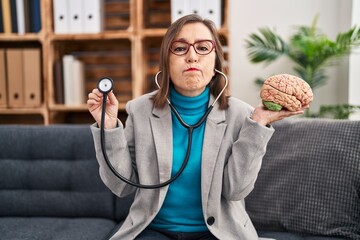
266,46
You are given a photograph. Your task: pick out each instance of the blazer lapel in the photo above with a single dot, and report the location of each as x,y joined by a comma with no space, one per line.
162,134
214,133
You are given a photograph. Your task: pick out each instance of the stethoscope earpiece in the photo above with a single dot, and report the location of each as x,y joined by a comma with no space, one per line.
105,85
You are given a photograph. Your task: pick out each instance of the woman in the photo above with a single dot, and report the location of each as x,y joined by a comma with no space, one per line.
226,151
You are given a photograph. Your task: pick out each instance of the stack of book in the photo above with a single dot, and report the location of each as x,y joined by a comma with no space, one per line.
20,16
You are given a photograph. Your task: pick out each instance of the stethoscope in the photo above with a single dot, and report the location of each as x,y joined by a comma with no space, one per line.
105,85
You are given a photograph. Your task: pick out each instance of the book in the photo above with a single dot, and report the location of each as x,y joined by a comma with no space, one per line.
14,26
73,72
20,16
34,16
1,20
6,12
59,84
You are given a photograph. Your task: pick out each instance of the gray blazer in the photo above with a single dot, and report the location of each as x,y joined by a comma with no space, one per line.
231,159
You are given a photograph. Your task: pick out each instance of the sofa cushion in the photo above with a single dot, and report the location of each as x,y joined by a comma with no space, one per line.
310,179
292,236
13,228
51,171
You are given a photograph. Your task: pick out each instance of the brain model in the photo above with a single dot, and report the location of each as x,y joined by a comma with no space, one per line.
286,91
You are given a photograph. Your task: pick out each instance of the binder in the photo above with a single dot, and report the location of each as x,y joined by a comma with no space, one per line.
197,7
27,15
32,77
93,16
14,27
76,16
20,16
3,89
61,16
179,8
14,68
35,15
1,20
6,11
212,11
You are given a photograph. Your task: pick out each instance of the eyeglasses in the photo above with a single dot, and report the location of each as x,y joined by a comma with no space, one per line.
201,47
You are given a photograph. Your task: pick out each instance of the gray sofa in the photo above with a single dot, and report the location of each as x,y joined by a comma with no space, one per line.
309,183
308,187
50,186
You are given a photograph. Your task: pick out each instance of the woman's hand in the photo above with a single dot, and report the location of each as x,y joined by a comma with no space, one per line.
94,103
264,116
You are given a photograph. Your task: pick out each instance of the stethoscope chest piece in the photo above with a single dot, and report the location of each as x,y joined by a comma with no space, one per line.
105,85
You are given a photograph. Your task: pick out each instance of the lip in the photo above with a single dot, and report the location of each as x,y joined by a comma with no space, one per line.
192,69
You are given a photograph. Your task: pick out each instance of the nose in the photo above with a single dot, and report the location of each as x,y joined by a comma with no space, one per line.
191,55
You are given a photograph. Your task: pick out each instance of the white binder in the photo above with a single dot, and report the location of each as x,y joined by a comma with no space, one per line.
67,73
93,16
20,15
61,16
76,16
179,8
197,7
212,11
209,9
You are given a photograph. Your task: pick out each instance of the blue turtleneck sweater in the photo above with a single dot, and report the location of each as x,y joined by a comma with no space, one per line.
182,210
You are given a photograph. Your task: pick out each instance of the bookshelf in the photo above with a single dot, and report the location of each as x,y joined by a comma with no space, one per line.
127,51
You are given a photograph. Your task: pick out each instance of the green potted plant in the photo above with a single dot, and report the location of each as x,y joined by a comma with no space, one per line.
308,48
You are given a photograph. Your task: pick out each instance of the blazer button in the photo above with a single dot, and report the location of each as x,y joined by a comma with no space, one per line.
210,220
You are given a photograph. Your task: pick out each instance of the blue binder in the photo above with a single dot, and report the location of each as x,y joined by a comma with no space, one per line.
1,20
35,16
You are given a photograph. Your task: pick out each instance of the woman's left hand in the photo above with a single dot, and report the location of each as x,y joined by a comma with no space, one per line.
264,116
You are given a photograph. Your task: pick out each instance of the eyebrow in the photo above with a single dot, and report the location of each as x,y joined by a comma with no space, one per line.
196,40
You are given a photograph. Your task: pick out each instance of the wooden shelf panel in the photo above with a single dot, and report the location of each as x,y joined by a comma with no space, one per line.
21,38
157,14
31,119
108,35
79,108
101,58
151,61
117,15
36,110
127,51
77,117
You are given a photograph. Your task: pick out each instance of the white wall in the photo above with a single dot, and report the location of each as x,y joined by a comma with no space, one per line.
282,15
354,66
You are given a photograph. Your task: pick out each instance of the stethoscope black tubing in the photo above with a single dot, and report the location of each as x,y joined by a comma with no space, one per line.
190,129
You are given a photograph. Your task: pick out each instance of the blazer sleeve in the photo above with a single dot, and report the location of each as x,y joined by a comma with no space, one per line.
120,150
243,165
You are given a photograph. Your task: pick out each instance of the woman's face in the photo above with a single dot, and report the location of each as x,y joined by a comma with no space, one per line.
191,72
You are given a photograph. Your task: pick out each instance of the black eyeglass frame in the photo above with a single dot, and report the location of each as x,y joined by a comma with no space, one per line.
193,45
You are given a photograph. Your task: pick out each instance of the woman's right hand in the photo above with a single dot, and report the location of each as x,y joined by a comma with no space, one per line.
95,103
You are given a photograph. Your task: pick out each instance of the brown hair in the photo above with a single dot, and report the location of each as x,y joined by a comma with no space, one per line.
216,84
